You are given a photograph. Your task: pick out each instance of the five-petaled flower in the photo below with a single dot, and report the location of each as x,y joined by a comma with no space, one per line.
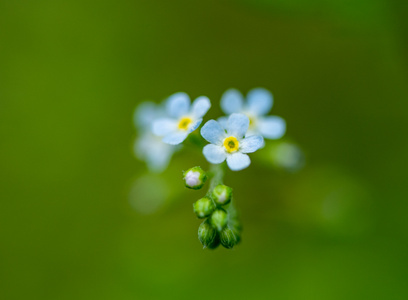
230,143
259,103
182,119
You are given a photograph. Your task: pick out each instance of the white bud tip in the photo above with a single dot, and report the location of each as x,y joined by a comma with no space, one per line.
193,178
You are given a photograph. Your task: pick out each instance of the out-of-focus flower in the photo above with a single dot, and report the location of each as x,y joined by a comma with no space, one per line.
230,144
182,119
258,105
147,146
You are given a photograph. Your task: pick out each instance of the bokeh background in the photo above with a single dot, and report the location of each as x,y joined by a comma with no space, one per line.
71,74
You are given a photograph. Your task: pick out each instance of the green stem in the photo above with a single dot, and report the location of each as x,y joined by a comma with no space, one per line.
217,175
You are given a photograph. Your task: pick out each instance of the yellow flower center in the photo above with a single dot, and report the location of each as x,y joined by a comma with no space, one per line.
231,144
184,123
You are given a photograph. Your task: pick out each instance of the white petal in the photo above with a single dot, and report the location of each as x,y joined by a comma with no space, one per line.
178,104
251,144
145,114
238,161
214,154
163,127
175,138
272,127
260,101
154,152
237,125
158,161
213,132
223,121
200,106
232,101
194,126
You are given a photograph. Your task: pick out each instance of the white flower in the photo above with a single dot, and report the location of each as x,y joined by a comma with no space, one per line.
147,146
230,144
182,120
259,103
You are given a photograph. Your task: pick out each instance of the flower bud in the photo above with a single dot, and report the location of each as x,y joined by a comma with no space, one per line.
228,238
219,219
221,194
194,178
207,234
203,207
215,243
236,227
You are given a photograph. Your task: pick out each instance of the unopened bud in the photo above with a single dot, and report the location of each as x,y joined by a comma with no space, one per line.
219,219
203,207
215,243
194,178
206,234
221,194
228,238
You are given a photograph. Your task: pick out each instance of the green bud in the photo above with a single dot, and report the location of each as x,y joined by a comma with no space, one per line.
228,238
207,234
219,219
221,194
203,207
194,178
216,242
236,227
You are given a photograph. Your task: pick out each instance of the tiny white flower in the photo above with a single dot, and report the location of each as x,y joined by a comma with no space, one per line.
230,144
259,103
183,118
148,147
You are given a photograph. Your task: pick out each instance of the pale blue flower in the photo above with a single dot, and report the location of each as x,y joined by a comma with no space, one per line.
231,143
148,147
258,105
183,118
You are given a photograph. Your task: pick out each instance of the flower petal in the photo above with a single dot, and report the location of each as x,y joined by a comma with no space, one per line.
213,132
194,126
237,125
144,114
153,151
260,101
251,144
238,161
178,104
200,106
223,121
214,154
175,138
272,127
164,126
232,101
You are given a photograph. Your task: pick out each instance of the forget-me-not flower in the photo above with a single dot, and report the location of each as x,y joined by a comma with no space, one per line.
183,118
230,143
149,147
258,105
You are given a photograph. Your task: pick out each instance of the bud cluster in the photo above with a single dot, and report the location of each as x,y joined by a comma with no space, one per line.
221,225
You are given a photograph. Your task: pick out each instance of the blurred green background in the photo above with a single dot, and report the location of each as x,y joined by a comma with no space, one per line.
71,74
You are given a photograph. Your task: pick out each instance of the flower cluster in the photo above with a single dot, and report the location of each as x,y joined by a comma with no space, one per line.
164,127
